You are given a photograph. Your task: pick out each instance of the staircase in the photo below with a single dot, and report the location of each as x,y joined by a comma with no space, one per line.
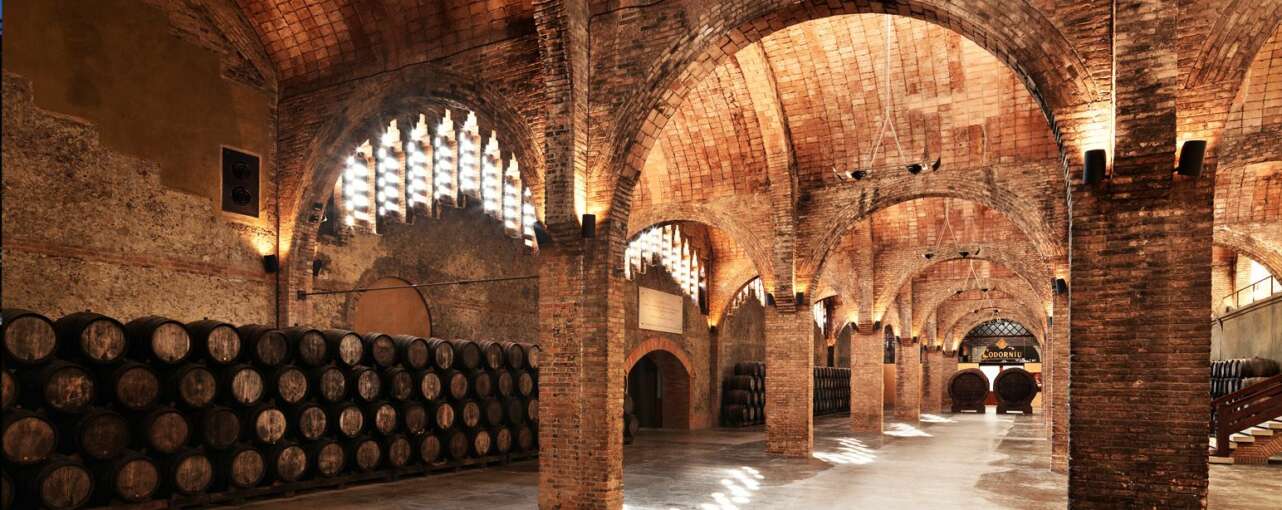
1248,424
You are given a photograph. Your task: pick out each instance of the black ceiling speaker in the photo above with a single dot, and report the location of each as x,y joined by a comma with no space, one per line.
1096,163
1191,155
240,182
914,168
770,299
317,265
541,234
934,167
800,298
858,175
589,226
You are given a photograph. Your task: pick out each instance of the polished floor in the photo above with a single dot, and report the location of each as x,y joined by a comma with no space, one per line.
950,461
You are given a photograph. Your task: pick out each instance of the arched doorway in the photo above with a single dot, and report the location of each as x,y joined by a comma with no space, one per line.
659,385
400,311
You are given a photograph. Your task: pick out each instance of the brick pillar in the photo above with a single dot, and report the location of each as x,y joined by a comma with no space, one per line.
1140,292
582,378
933,380
948,367
1060,342
790,380
908,379
866,379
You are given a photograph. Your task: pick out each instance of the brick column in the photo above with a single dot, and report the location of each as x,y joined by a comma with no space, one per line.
1059,383
581,380
908,379
1140,292
933,380
790,380
948,367
866,379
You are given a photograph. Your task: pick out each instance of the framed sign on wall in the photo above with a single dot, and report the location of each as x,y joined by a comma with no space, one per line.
660,311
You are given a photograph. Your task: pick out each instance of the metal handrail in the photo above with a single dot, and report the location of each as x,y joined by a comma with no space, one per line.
1258,291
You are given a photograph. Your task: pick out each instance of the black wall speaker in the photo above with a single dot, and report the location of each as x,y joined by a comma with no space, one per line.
1191,155
240,182
770,299
271,263
589,226
541,234
1096,163
1060,286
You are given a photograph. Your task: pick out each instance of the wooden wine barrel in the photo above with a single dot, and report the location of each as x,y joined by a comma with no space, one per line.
1015,389
414,418
524,438
442,353
131,385
748,368
515,355
399,383
383,417
27,437
188,471
164,430
309,421
8,389
413,351
467,355
347,346
214,341
514,410
735,414
329,383
429,385
265,424
6,491
481,383
218,427
968,389
347,419
286,462
502,440
58,386
99,434
503,383
380,350
532,353
524,383
28,337
456,384
398,451
457,445
328,459
62,483
480,442
742,382
429,448
288,384
744,397
532,410
192,386
91,337
240,467
308,345
492,356
366,383
131,477
442,414
157,338
492,412
365,454
1256,366
242,385
266,346
470,414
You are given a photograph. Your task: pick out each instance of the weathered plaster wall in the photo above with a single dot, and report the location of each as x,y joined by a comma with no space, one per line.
1256,331
695,342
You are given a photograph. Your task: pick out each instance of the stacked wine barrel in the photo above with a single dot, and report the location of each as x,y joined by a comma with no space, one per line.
743,401
102,412
1231,375
832,390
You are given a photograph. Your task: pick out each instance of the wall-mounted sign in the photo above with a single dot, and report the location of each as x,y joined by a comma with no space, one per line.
660,311
1003,353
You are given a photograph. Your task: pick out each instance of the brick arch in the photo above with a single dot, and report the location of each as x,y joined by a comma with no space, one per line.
721,218
1241,28
973,318
1251,246
312,165
968,324
1034,276
932,301
718,309
680,388
652,344
1015,33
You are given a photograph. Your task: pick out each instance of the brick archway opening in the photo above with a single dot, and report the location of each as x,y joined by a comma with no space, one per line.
659,382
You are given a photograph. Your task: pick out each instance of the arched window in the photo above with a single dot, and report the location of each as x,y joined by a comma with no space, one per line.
666,246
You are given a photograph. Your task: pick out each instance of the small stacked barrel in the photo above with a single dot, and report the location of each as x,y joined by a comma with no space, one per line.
99,412
743,401
832,390
1232,375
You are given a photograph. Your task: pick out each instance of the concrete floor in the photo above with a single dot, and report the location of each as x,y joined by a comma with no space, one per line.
951,461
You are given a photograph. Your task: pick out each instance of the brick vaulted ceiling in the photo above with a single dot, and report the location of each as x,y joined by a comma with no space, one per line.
948,96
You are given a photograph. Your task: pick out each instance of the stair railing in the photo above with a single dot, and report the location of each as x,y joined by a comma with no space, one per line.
1245,408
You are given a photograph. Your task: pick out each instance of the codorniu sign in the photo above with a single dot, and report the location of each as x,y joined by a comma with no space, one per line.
1009,354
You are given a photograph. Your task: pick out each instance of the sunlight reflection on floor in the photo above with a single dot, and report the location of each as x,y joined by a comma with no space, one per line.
851,451
905,430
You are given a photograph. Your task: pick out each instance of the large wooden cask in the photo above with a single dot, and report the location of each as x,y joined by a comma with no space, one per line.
264,345
218,427
413,351
1015,388
348,348
131,478
380,350
28,338
163,430
158,339
27,437
215,342
58,386
309,346
91,337
130,385
968,389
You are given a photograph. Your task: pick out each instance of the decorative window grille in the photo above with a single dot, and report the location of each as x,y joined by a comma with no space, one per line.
667,246
492,178
753,289
390,175
418,157
469,159
446,165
